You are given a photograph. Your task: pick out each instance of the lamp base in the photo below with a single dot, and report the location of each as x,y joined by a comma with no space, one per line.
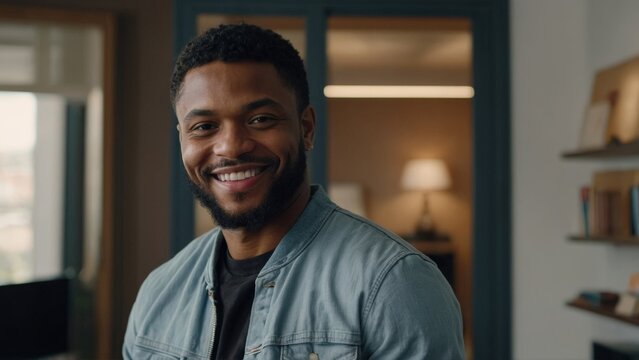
425,228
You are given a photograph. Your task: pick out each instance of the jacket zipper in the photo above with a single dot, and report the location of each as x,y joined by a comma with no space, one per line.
213,323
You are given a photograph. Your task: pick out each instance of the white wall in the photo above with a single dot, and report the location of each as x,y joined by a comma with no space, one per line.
556,47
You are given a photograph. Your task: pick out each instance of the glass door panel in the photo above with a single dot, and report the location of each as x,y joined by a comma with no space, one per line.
399,89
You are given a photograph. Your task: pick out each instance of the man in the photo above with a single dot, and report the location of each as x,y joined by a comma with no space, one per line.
286,274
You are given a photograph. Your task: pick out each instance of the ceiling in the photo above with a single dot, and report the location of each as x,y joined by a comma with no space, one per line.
381,51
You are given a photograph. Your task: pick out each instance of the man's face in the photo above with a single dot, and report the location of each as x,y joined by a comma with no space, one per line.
242,141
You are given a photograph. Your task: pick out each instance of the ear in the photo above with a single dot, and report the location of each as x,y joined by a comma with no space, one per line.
308,127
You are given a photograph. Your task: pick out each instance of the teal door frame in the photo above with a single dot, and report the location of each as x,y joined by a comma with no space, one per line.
491,255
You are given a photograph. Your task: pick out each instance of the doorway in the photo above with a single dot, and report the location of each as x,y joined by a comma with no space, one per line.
400,89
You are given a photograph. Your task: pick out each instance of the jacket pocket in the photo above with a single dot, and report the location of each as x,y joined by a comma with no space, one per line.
320,351
146,349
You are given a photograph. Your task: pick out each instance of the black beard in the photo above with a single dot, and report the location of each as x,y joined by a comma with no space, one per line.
278,198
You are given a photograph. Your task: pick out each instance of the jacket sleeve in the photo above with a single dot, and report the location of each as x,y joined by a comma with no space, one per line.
412,314
129,337
132,329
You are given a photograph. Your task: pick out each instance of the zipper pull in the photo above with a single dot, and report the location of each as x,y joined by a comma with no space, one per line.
211,294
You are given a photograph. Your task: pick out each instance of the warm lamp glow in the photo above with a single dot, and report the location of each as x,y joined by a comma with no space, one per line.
425,175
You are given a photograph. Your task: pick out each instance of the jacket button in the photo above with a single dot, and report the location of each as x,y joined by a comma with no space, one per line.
313,356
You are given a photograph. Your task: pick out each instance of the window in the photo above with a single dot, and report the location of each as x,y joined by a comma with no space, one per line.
31,185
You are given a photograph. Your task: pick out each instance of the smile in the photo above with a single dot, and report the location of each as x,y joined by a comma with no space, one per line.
238,175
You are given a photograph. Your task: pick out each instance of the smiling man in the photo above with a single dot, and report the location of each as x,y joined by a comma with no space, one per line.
286,274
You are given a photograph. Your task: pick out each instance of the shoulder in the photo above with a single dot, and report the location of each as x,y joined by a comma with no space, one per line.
403,289
413,304
375,255
186,267
168,291
370,241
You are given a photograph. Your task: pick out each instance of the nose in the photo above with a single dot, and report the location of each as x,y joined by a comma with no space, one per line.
232,141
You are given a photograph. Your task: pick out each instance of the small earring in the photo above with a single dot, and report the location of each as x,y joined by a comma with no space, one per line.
309,148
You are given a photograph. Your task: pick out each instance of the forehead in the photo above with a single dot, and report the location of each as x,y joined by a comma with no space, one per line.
219,83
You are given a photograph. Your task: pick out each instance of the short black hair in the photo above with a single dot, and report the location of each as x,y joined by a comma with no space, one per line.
243,42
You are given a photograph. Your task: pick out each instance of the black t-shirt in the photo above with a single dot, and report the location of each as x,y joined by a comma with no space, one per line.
234,299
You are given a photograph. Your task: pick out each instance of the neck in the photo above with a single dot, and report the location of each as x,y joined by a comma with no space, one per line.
243,244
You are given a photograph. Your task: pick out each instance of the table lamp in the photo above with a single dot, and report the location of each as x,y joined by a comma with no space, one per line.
425,175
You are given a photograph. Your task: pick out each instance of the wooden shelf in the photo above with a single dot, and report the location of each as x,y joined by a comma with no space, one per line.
610,239
609,151
603,311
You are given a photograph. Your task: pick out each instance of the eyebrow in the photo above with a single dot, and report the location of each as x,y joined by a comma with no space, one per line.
261,103
253,105
197,112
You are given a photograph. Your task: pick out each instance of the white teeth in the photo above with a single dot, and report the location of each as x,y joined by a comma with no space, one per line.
236,176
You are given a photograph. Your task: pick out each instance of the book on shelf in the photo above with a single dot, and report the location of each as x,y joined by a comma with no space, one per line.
634,210
585,208
633,283
598,298
610,205
605,217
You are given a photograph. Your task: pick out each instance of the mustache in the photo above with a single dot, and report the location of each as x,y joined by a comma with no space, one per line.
242,159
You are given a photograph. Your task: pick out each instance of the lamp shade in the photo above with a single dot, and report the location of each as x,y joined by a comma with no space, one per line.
425,174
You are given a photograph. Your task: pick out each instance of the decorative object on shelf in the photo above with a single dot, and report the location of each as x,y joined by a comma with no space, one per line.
617,85
600,298
614,98
593,132
628,305
425,175
607,311
348,195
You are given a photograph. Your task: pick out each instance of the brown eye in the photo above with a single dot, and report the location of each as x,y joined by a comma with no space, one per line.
262,121
203,127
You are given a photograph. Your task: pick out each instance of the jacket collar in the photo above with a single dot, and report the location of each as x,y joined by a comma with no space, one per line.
306,227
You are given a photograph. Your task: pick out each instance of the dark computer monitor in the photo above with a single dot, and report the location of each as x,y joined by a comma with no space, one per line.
34,319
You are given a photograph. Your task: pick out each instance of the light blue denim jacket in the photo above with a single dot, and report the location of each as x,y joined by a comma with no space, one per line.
336,287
